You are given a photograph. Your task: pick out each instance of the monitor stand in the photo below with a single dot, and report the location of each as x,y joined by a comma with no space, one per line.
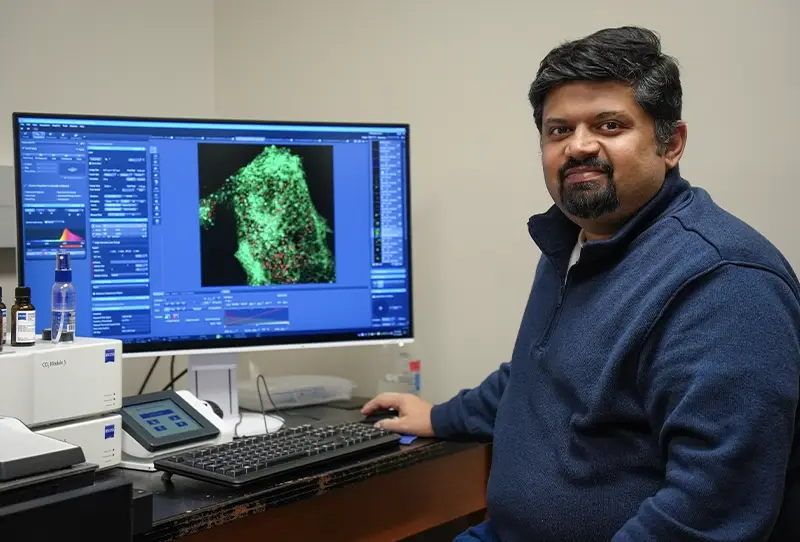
212,377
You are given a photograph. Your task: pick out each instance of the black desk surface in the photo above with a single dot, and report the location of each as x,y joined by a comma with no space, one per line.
184,506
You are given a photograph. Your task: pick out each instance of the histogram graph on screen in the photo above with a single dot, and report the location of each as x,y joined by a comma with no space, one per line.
54,227
259,316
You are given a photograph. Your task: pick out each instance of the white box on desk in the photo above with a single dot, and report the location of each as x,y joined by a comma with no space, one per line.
49,383
99,438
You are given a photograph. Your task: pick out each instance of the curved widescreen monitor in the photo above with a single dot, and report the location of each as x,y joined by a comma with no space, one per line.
194,234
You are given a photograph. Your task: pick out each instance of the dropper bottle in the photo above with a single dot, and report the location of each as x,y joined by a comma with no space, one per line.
62,310
4,316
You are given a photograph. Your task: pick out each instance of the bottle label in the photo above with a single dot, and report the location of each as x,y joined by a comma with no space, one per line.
415,367
4,331
65,318
26,327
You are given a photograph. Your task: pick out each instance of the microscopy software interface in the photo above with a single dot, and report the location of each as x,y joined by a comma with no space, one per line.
197,230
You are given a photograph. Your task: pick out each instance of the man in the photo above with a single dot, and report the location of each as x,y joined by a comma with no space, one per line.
653,388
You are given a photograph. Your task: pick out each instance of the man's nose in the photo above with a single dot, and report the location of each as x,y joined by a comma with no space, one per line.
582,144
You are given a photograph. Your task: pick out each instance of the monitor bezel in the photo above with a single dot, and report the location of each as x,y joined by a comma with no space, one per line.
213,346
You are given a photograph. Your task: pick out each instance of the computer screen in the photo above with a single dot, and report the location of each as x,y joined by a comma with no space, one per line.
189,234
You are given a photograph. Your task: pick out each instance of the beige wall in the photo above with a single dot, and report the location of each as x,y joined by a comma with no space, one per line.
8,278
148,57
458,71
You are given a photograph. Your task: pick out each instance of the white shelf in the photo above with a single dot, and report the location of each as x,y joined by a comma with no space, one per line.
8,217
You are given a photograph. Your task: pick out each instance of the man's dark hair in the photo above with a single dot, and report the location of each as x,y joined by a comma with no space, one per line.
628,55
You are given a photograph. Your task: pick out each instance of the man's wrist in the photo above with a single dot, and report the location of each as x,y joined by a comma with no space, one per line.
441,420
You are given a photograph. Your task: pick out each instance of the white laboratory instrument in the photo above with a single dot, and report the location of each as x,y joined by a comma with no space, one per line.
291,391
25,453
161,424
68,391
99,438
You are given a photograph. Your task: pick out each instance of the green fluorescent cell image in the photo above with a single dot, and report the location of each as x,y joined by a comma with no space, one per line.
266,214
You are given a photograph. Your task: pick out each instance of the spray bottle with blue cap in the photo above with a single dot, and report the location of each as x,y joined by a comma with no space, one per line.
63,302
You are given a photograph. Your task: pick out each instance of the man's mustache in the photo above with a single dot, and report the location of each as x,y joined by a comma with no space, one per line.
593,162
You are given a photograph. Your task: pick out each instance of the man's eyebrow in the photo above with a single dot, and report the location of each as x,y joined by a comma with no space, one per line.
560,121
611,114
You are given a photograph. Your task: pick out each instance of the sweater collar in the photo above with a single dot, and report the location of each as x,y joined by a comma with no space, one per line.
555,234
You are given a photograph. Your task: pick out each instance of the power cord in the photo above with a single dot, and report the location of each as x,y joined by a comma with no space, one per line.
260,377
236,427
261,400
149,374
274,406
263,408
173,379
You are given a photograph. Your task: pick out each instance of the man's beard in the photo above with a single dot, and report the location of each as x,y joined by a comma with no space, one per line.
591,199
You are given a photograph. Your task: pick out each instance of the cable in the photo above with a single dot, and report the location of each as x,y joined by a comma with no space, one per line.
171,384
172,373
263,408
173,380
260,378
261,400
274,406
236,427
149,374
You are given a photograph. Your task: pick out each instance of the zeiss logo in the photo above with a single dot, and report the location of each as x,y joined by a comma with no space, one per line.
110,355
109,431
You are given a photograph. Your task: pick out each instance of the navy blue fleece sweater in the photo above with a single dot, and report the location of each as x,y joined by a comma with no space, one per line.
653,389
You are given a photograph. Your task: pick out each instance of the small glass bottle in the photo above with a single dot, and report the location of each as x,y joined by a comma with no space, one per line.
403,375
23,318
62,303
3,321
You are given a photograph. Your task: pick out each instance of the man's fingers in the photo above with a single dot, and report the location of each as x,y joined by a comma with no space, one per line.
395,425
384,400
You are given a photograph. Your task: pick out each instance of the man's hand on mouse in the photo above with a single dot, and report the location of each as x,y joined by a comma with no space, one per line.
414,413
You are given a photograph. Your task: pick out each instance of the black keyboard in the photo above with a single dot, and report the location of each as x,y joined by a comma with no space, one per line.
263,457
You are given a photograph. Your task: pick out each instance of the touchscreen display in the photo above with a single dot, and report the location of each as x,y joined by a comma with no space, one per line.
162,418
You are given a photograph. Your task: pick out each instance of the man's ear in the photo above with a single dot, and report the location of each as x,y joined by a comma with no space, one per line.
673,151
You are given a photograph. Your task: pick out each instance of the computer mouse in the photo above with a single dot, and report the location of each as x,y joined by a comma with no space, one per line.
380,414
215,407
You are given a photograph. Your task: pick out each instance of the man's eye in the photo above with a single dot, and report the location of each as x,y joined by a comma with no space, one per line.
611,125
559,130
